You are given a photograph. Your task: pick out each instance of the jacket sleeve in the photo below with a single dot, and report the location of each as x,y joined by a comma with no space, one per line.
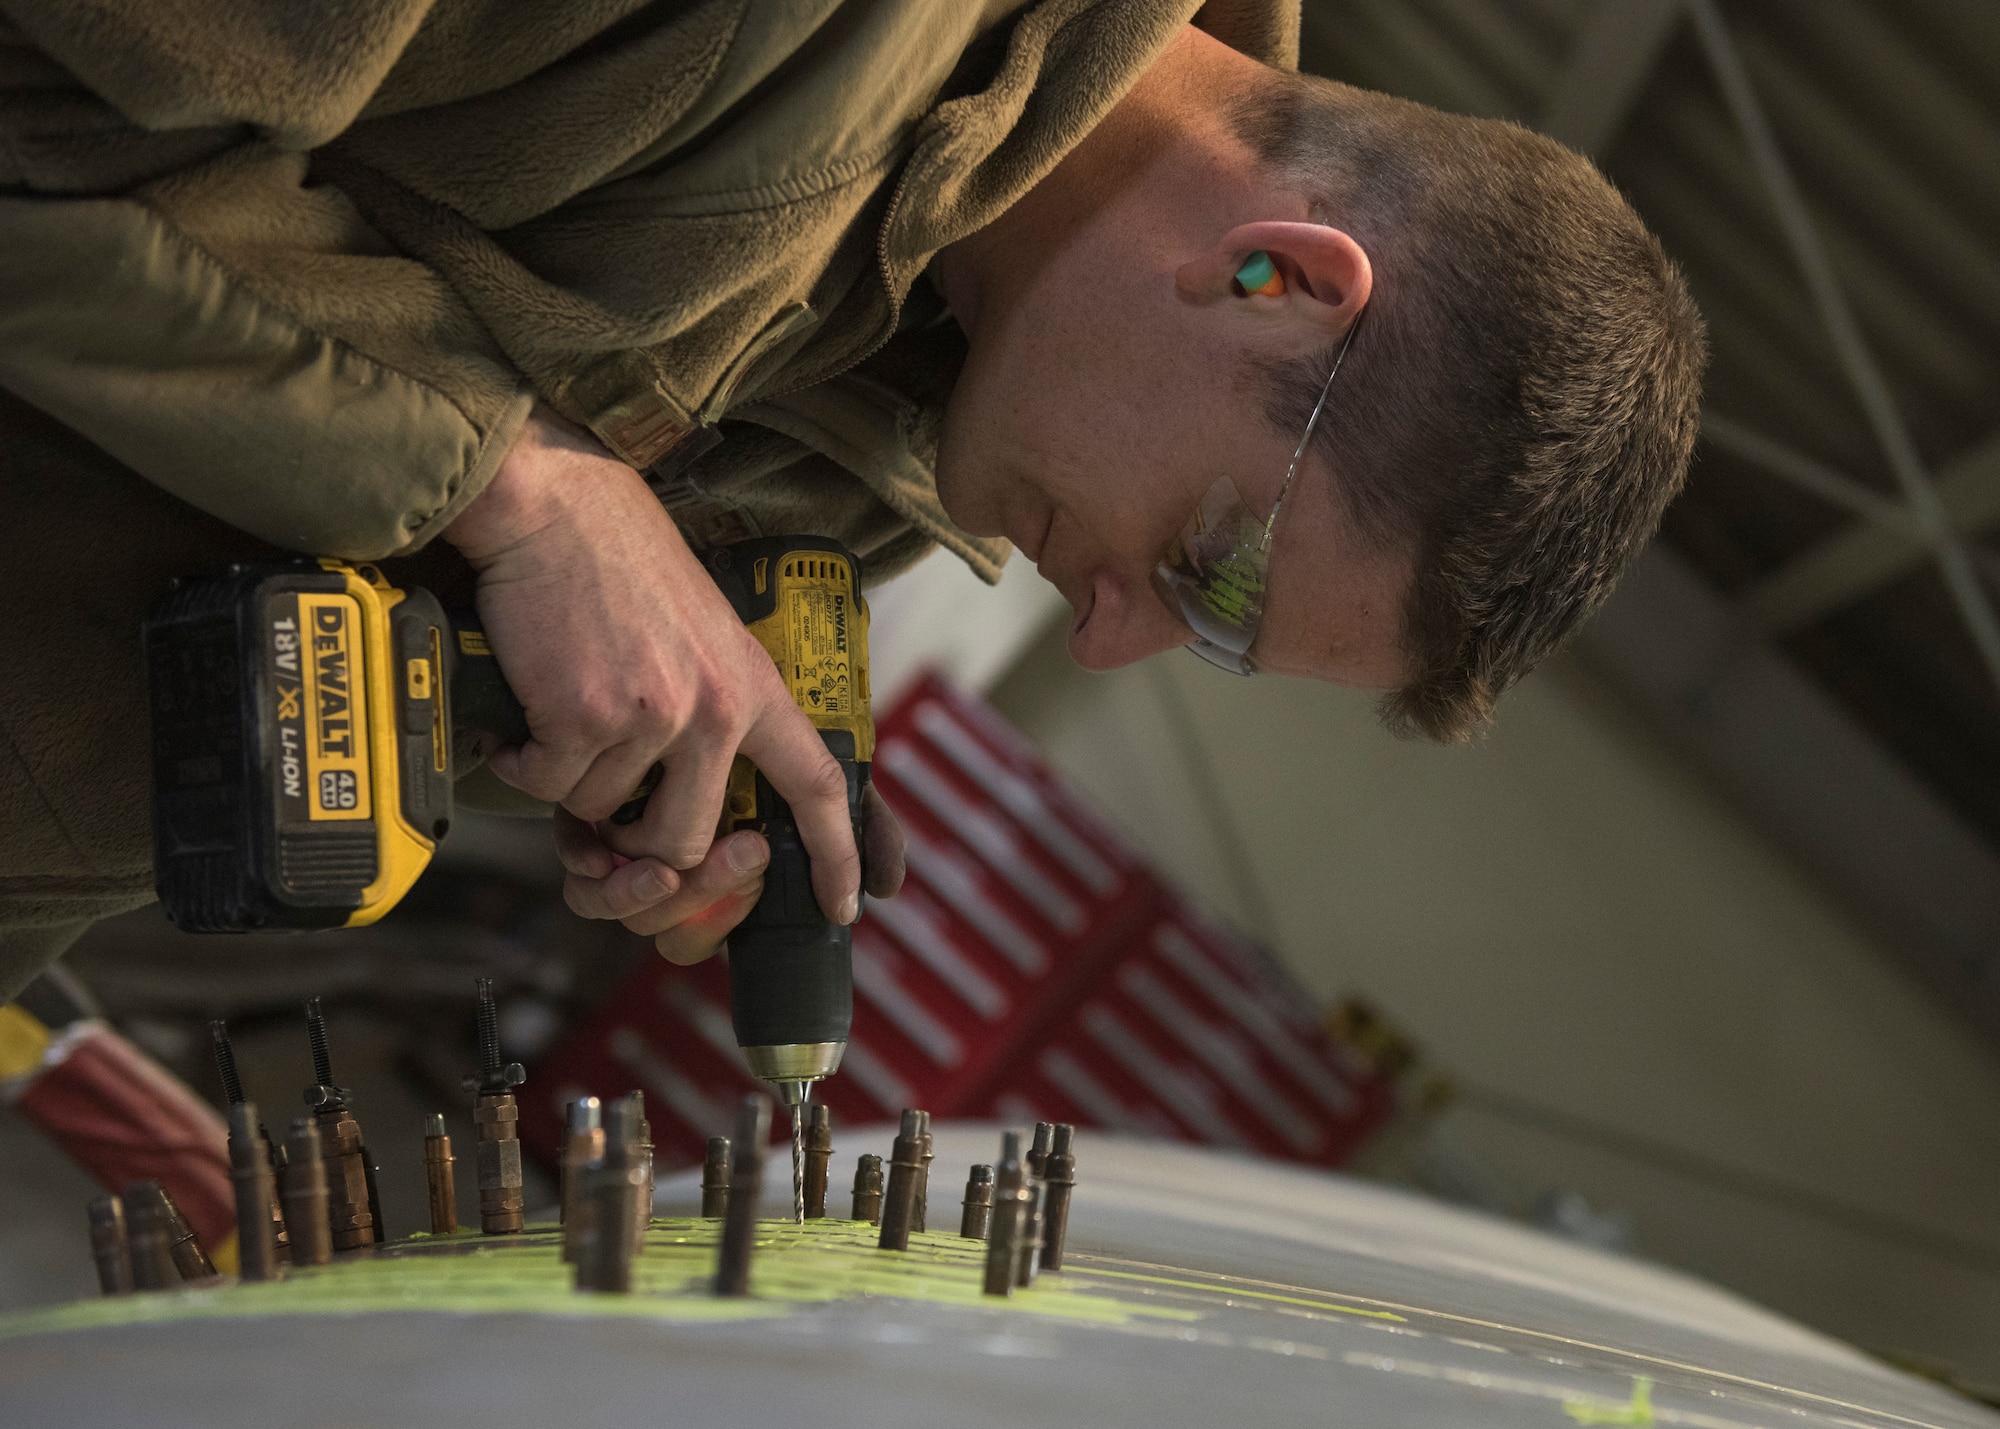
178,290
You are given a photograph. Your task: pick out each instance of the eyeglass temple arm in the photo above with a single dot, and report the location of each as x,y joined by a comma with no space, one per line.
1271,522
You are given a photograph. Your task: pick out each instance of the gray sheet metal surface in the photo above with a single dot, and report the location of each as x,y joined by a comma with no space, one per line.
1493,1325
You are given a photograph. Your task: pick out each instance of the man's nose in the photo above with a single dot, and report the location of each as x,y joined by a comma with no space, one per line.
1127,622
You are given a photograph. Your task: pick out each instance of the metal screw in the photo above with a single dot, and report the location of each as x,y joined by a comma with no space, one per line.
232,1091
495,1121
109,1246
868,1189
906,1166
1029,1252
819,1156
305,1195
151,1238
715,1179
642,1150
351,1198
920,1220
1003,1245
1061,1177
189,1259
977,1217
256,1191
583,1147
1038,1152
494,1076
225,1061
440,1180
746,1184
604,1257
316,1036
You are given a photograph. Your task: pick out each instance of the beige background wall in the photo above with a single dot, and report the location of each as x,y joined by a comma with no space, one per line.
1645,1002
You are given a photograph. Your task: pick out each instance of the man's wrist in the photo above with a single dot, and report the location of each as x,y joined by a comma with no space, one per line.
539,482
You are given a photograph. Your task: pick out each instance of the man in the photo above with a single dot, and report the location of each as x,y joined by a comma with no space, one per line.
579,290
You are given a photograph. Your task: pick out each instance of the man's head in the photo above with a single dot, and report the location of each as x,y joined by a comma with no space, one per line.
1505,431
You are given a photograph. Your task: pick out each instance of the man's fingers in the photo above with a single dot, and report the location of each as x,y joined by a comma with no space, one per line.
882,838
679,825
545,771
734,866
701,937
784,744
579,849
608,784
622,893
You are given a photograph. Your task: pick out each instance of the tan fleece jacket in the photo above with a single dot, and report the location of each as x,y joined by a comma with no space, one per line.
307,265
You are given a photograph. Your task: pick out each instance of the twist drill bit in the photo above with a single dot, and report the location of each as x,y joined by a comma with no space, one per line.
977,1216
350,1205
906,1164
1003,1244
617,1181
798,1110
642,1208
1028,1262
746,1184
868,1189
305,1194
256,1193
583,1147
232,1091
1060,1173
495,1118
715,1179
819,1155
151,1238
440,1180
109,1247
920,1211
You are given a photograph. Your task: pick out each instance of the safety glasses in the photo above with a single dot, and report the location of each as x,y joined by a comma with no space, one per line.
1219,566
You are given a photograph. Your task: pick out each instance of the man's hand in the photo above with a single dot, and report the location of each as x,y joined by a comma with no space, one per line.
622,651
688,918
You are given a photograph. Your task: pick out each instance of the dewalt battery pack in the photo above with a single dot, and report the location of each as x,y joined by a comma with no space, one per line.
301,742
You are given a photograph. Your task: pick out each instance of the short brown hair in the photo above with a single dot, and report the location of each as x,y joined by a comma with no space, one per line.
1522,400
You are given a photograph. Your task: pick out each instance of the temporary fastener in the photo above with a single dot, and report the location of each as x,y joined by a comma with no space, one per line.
977,1216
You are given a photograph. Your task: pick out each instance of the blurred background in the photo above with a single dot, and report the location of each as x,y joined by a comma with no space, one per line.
1698,954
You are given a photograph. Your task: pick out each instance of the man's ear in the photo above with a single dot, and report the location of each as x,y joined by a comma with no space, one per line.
1327,275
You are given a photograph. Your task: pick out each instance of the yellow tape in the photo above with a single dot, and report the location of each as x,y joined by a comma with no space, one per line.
1637,1410
23,1041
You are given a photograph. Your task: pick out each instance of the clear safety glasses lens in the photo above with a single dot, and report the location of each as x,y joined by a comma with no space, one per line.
1219,568
1217,571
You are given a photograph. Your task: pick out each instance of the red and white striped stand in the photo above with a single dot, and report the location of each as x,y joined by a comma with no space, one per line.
1033,968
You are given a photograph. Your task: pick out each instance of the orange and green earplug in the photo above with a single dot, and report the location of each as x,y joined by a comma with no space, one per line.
1260,276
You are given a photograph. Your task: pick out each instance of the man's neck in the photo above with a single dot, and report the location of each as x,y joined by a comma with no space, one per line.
1175,114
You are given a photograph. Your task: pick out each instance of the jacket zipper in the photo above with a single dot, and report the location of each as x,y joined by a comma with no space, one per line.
790,319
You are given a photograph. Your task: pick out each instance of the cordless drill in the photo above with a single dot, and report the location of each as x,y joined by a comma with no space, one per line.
307,719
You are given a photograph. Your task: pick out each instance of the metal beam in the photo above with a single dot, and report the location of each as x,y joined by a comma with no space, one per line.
1846,567
1613,56
1809,474
1850,347
1879,842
